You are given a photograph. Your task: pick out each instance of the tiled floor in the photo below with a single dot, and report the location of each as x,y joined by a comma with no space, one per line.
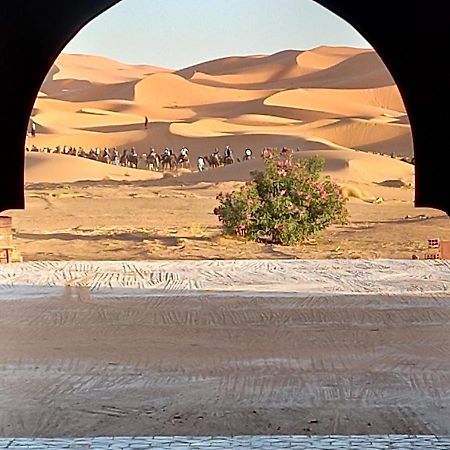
375,442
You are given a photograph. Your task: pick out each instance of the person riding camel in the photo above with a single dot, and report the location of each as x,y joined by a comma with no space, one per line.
115,157
228,153
167,151
184,152
200,164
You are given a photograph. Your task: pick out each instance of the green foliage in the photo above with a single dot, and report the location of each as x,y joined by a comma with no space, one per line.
285,204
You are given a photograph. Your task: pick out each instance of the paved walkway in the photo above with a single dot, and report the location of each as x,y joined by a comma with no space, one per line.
271,278
376,442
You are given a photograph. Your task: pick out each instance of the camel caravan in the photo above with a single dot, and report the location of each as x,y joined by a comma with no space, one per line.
168,160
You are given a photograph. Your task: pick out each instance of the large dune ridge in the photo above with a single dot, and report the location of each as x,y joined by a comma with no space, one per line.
323,100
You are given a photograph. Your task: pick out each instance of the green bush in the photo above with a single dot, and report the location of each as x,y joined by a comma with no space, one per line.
285,204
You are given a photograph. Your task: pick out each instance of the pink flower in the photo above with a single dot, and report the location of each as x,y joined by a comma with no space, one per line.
240,230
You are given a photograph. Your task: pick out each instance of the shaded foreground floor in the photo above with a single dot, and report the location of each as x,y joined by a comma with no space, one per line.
379,442
77,359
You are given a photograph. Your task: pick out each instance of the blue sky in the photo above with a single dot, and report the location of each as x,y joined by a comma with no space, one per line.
180,33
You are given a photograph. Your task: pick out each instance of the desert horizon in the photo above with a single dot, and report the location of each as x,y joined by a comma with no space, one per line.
339,103
324,98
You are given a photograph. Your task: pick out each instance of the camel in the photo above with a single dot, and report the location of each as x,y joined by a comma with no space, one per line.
168,162
348,191
153,161
184,162
106,157
213,160
124,158
227,160
133,159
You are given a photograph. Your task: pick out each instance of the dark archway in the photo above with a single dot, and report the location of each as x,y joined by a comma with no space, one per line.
34,33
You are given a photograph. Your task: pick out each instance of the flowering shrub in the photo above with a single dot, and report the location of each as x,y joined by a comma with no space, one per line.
285,204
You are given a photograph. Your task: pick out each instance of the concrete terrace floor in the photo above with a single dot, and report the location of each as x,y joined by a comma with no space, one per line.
297,354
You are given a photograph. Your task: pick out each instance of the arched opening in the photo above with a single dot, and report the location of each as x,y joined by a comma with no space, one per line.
400,59
365,113
158,381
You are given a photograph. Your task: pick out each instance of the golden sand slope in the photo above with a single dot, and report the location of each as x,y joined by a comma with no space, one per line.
55,168
328,98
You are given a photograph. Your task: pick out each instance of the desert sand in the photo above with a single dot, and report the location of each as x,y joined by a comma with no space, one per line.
337,102
331,95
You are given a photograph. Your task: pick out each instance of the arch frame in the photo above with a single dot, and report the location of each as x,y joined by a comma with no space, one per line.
33,34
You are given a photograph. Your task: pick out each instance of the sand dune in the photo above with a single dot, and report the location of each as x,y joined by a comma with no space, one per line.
280,70
323,57
317,68
360,71
173,91
326,98
251,71
368,135
229,65
55,168
84,91
343,102
98,69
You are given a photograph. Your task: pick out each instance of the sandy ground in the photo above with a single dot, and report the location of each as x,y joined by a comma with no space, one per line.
338,102
74,365
173,219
